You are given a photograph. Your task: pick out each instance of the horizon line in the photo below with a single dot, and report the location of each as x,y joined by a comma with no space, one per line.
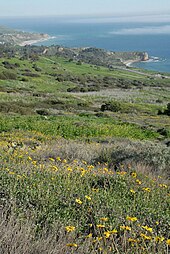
95,15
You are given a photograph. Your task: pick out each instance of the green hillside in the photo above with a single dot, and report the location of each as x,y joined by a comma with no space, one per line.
84,154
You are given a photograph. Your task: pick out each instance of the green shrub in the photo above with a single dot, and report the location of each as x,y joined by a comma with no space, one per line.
8,75
113,106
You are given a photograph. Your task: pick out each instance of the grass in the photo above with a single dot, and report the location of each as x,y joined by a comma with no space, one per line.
71,127
99,210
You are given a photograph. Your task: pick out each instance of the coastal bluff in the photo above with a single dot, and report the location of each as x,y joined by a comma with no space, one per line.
96,56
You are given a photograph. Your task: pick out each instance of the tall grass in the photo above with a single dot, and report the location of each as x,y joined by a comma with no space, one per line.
93,209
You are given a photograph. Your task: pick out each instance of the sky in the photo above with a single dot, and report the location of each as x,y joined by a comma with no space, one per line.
17,8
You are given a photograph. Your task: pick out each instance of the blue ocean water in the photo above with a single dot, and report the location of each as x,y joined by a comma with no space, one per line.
153,38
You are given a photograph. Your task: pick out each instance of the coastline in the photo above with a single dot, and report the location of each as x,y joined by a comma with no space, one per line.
129,63
32,42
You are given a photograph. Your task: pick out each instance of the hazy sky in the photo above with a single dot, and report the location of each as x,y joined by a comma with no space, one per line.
81,7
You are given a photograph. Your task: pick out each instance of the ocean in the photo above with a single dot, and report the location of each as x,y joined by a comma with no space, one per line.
153,38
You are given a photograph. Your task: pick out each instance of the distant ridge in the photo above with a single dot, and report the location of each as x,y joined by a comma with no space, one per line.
96,56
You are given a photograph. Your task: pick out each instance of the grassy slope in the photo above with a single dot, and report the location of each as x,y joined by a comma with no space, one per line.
112,162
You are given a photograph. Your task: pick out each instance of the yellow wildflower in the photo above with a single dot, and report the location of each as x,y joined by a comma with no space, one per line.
11,173
51,159
58,159
146,189
87,197
100,226
83,171
132,191
90,167
104,219
75,161
70,228
122,173
19,176
95,190
168,242
134,175
78,201
132,240
71,245
159,239
114,231
89,235
54,168
34,162
148,228
99,238
125,227
131,218
107,234
163,186
69,169
146,237
138,181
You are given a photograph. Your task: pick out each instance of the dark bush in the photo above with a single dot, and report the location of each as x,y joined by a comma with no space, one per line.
42,112
24,79
163,132
30,74
166,111
17,65
113,106
73,89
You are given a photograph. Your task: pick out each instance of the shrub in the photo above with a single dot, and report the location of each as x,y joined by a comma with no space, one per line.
42,112
8,75
24,79
166,111
113,106
156,156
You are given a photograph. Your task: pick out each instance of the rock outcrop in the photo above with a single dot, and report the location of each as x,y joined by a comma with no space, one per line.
145,56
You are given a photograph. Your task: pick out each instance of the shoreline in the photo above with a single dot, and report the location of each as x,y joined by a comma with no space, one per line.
32,42
129,63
